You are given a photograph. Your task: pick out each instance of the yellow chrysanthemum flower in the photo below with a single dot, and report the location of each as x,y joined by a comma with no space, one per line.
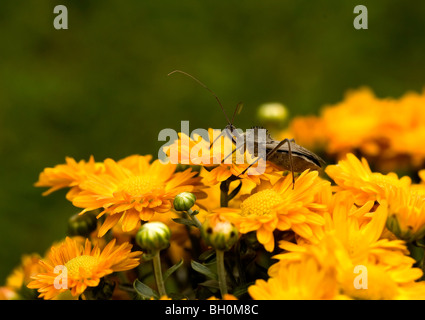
352,241
281,207
379,278
358,230
406,201
406,213
356,176
84,266
361,236
303,280
133,190
382,283
68,175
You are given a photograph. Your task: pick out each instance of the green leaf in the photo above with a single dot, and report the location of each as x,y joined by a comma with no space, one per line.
420,243
210,284
187,222
177,296
203,270
207,254
416,253
144,291
242,289
172,269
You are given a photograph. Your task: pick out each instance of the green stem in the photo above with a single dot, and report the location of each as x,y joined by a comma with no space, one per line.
241,271
158,275
224,195
221,271
194,218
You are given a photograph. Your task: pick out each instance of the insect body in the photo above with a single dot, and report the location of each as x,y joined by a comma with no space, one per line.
303,159
280,152
285,154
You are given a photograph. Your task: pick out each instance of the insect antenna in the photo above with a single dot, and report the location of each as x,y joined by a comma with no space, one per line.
238,110
203,85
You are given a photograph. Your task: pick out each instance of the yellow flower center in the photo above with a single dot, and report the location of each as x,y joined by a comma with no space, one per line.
260,203
138,185
87,263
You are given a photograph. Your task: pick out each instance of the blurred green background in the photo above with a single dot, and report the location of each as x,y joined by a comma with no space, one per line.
101,87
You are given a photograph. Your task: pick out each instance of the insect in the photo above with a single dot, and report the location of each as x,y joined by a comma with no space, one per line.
285,154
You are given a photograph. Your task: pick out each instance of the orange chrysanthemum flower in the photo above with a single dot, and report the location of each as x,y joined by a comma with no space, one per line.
68,175
20,277
84,266
371,126
133,189
282,207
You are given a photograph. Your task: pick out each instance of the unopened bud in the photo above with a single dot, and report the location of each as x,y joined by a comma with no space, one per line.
184,201
82,225
153,236
274,114
221,235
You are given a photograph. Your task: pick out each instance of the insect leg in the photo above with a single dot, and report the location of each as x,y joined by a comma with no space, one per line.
273,151
291,161
219,136
232,135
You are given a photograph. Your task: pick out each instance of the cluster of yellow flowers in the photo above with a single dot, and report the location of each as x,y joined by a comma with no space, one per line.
353,234
389,132
370,224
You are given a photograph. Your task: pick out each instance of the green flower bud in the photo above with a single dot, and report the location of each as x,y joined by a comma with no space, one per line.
273,114
221,236
153,236
82,225
184,201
